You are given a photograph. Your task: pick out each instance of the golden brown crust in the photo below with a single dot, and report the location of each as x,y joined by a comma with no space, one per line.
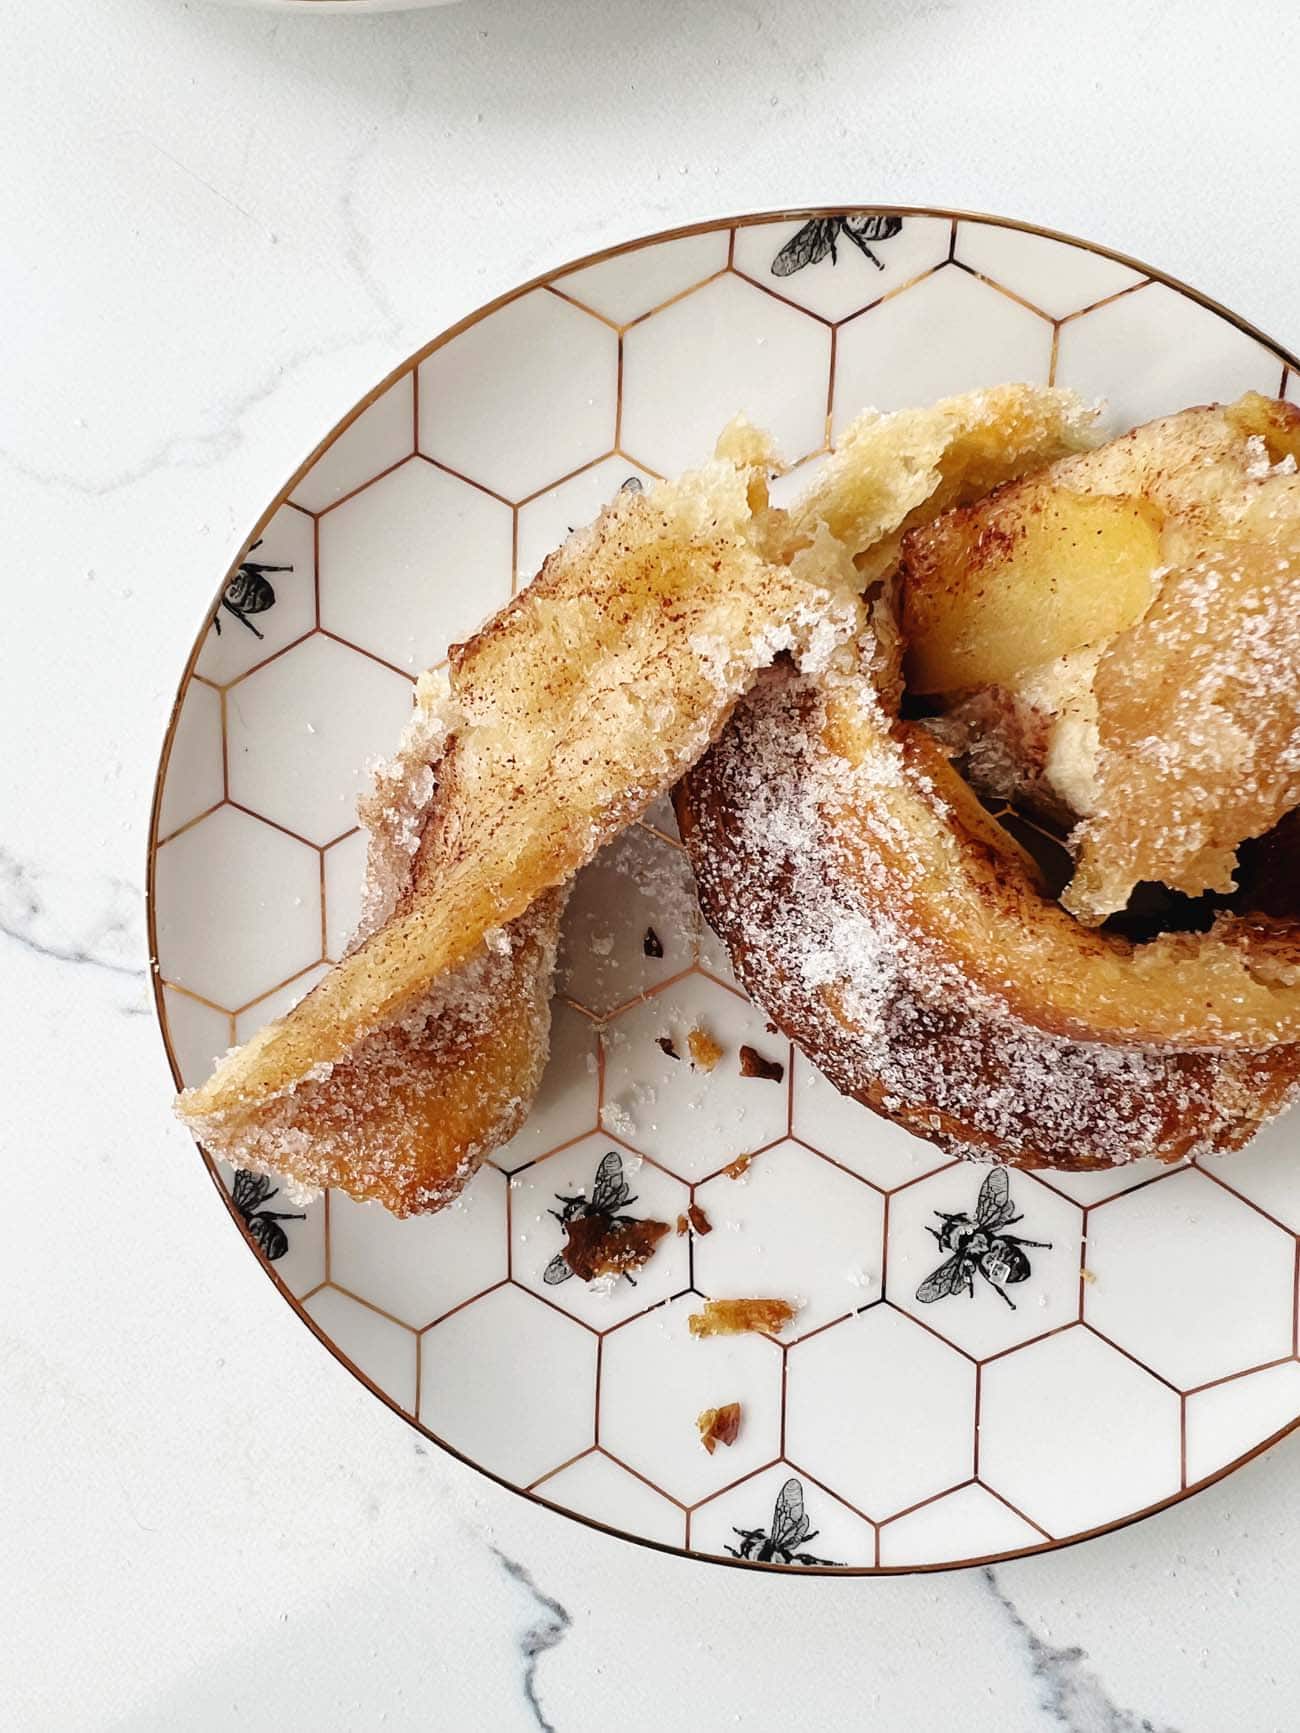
1198,715
888,943
567,713
406,1117
577,705
1142,603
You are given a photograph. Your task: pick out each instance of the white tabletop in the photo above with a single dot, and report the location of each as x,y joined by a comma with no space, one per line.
220,228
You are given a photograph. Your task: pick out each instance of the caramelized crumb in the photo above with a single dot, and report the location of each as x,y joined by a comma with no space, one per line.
734,1317
597,1245
652,944
698,1220
719,1426
753,1064
738,1168
705,1051
665,1044
682,1226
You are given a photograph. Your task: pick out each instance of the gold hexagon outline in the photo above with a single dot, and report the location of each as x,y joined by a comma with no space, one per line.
1290,364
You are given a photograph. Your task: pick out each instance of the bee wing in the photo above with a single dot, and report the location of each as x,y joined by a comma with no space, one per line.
947,1279
789,1524
609,1190
556,1271
994,1204
247,1190
269,1235
633,484
811,244
864,226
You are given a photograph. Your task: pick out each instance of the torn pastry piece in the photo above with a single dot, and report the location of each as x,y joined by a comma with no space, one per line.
875,910
904,941
574,708
578,704
1198,716
407,1115
1117,644
908,941
889,473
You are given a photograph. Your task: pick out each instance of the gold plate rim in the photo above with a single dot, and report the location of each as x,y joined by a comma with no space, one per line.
748,219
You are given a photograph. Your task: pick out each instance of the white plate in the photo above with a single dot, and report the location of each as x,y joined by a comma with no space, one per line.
1152,1346
353,6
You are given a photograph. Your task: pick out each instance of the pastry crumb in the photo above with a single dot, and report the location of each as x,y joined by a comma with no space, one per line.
719,1426
599,1246
735,1317
705,1051
739,1168
753,1064
694,1221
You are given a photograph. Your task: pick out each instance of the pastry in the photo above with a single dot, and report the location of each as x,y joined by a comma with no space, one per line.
1136,610
405,1116
907,940
575,707
571,710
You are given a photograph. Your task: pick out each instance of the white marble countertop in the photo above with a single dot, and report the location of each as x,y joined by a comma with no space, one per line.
220,228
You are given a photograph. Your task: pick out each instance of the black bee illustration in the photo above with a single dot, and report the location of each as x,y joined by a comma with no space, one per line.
248,591
790,1529
980,1247
599,1238
249,1192
818,237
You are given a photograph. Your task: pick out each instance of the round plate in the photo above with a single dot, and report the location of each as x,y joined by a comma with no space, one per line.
353,6
1152,1344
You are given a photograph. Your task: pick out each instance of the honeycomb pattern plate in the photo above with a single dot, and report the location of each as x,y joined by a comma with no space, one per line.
1152,1340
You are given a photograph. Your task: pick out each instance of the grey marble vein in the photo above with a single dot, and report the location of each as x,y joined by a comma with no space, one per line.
95,924
357,249
197,449
1071,1693
548,1630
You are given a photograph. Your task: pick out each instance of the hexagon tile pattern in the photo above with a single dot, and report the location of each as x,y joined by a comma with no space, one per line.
413,562
301,729
483,420
900,1419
